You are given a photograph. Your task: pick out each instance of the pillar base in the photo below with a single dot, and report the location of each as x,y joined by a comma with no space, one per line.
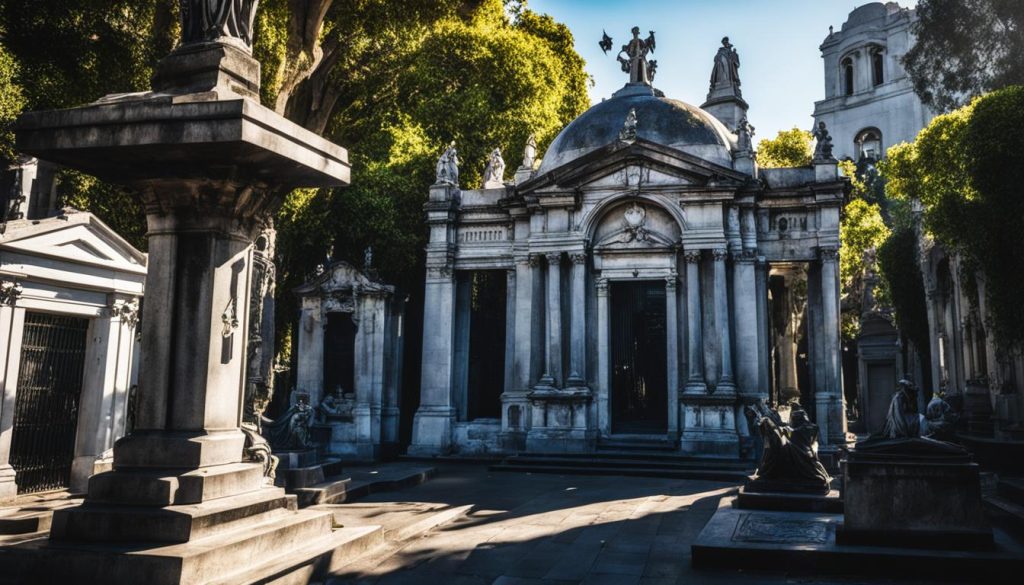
696,388
8,487
178,450
432,431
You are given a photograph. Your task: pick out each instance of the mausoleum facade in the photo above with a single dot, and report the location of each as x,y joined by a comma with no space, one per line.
620,290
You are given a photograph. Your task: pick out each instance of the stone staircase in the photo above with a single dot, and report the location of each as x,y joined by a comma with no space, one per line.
653,459
1006,506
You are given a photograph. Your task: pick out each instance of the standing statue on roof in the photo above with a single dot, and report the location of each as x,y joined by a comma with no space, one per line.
633,58
494,172
727,67
448,166
823,147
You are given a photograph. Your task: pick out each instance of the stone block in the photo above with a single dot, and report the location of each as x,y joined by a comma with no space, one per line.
206,67
178,450
158,488
929,498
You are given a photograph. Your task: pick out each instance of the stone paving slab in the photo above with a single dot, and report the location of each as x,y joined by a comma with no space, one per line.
544,529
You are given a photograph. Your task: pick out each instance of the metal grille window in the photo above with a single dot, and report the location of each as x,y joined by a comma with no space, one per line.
46,407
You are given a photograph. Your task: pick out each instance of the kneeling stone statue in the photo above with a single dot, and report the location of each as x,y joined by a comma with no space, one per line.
790,459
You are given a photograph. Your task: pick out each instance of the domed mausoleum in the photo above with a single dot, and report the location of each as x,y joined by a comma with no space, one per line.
635,288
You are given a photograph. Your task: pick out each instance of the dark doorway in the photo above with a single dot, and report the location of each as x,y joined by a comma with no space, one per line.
46,407
486,343
639,377
339,353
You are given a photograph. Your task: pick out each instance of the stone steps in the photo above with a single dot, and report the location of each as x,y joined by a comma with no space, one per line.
1006,506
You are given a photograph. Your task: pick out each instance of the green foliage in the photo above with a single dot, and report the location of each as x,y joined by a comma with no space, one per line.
790,148
965,48
860,229
116,206
897,260
12,102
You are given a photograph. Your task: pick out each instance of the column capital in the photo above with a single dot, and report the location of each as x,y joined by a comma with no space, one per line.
828,254
692,256
10,290
125,309
553,257
442,271
578,257
533,259
602,286
746,256
720,254
671,281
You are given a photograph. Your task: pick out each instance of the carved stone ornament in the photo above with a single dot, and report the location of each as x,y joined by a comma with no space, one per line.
720,254
823,147
553,258
602,286
439,272
9,293
127,310
670,282
494,172
448,167
692,257
215,20
829,254
578,258
529,153
635,215
744,135
628,132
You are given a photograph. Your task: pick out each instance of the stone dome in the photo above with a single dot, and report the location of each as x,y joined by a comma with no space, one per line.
660,120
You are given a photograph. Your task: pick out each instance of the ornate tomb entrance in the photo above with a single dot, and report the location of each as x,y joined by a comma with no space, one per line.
639,381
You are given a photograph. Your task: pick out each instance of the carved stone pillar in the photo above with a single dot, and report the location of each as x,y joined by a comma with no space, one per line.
604,419
726,382
553,358
831,414
577,358
12,325
695,351
672,352
745,304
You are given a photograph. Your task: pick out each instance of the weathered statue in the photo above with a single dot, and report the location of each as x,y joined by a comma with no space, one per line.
337,406
823,147
212,20
257,450
494,172
790,458
939,420
291,430
633,58
744,135
529,153
448,166
902,421
628,132
726,71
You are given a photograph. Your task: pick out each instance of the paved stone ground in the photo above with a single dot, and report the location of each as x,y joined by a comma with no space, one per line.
541,529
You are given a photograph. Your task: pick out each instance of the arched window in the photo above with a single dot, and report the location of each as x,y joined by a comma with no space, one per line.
847,67
868,144
877,67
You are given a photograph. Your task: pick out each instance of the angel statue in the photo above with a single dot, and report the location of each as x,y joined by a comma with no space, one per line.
448,166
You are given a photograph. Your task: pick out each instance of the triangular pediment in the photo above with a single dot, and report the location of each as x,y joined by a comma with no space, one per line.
76,238
611,164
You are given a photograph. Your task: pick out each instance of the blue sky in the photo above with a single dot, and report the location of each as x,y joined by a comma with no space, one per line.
780,64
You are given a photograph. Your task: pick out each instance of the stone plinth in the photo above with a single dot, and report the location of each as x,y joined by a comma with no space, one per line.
913,492
560,421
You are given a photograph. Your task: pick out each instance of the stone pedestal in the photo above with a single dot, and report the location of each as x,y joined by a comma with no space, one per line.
210,165
709,425
915,493
560,421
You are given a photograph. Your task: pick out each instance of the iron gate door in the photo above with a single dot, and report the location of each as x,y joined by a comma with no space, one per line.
639,368
46,406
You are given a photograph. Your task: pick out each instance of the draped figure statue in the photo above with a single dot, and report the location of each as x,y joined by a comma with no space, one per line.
211,20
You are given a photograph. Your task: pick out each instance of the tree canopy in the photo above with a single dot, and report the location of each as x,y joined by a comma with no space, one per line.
965,169
965,48
391,80
790,148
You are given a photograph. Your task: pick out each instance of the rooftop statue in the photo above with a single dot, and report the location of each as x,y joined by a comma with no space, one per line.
633,57
217,20
789,462
823,147
727,66
494,172
628,132
448,166
529,153
744,135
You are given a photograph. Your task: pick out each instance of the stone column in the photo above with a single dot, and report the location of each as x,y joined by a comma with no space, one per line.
695,350
460,364
603,389
309,375
831,414
510,331
672,350
12,326
726,382
745,304
523,356
761,286
578,335
553,357
432,424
